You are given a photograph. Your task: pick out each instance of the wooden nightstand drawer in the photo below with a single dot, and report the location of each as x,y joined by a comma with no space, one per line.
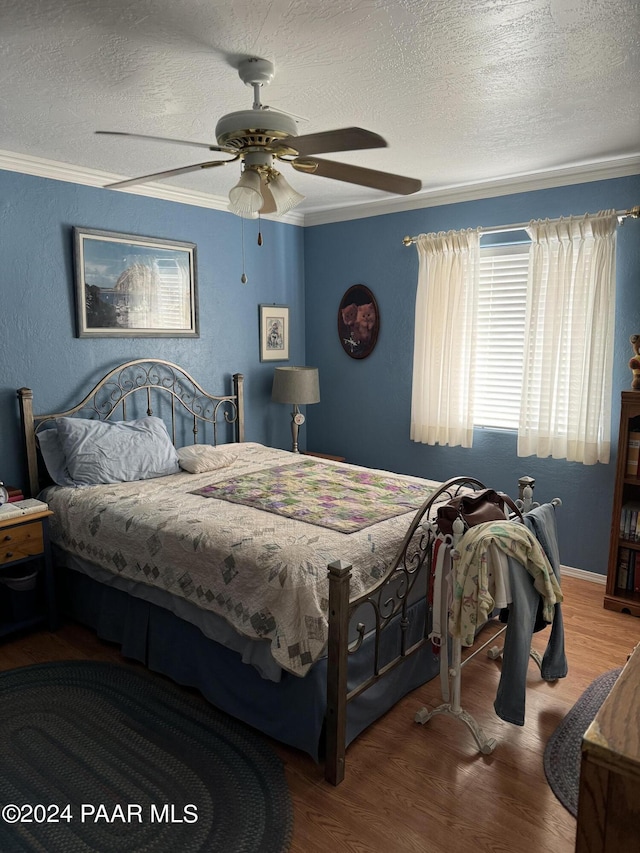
24,540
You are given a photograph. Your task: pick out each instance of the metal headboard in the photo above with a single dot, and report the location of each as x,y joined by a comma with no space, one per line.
114,393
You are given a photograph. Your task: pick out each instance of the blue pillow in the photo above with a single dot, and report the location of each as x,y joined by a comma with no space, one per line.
106,452
54,458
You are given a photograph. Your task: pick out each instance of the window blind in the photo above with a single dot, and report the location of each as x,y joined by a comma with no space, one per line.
500,335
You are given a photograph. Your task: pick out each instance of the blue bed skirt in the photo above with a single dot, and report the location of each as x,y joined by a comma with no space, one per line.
291,711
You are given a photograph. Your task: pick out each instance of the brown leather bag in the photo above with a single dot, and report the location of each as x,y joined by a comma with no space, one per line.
475,508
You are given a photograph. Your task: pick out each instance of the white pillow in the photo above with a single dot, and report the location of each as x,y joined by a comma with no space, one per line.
198,458
115,452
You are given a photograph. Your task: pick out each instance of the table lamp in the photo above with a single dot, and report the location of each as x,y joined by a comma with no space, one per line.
299,386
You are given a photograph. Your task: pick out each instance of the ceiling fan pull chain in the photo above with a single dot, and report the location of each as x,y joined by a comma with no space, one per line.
259,229
243,277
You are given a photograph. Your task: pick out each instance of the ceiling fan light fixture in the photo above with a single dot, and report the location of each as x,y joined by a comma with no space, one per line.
245,199
284,196
269,205
261,136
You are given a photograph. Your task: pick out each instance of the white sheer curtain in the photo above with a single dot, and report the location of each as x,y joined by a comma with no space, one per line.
445,318
566,395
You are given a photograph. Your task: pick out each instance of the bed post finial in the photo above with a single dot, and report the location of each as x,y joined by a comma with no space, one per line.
525,502
238,390
523,482
25,399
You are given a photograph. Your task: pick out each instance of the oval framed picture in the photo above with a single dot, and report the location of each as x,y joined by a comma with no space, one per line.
358,321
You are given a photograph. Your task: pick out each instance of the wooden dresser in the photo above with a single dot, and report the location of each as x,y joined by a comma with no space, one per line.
609,801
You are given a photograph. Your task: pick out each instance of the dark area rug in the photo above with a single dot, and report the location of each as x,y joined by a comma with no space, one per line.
563,751
100,757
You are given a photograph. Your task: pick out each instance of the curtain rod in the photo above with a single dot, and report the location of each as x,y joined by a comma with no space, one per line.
634,212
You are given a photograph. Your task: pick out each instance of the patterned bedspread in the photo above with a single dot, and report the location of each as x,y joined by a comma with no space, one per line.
265,573
341,498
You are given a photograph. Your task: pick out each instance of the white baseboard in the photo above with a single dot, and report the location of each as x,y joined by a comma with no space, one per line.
593,577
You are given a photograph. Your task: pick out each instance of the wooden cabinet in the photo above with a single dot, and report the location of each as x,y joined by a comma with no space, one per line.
609,798
25,551
624,547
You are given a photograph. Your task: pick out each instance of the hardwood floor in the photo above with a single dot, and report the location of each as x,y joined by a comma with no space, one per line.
426,789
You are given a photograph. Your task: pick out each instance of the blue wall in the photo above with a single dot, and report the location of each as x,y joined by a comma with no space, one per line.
38,347
365,408
364,412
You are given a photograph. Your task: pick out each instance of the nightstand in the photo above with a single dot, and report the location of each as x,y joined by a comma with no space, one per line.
323,456
24,549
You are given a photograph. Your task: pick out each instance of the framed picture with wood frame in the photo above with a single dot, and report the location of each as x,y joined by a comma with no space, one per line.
358,321
274,332
133,287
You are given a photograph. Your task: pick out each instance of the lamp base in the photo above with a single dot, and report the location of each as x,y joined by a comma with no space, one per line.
297,419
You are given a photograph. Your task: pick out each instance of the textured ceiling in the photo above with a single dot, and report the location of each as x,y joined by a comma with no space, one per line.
464,91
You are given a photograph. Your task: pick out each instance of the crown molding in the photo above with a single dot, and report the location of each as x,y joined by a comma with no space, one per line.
617,167
57,171
603,170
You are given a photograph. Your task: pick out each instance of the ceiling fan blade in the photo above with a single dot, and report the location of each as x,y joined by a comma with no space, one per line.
389,183
161,139
344,139
168,174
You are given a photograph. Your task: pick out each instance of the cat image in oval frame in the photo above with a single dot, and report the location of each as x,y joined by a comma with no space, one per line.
358,321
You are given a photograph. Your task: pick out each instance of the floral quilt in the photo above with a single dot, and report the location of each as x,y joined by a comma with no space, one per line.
266,574
329,495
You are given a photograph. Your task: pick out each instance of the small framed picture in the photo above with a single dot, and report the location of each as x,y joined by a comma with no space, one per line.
134,287
274,333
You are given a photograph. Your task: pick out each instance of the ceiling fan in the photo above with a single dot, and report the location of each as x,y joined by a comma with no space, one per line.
261,136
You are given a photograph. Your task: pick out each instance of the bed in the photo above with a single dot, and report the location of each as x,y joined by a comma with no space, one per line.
292,591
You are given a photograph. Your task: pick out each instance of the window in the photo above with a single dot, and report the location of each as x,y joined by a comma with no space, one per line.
518,337
500,338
